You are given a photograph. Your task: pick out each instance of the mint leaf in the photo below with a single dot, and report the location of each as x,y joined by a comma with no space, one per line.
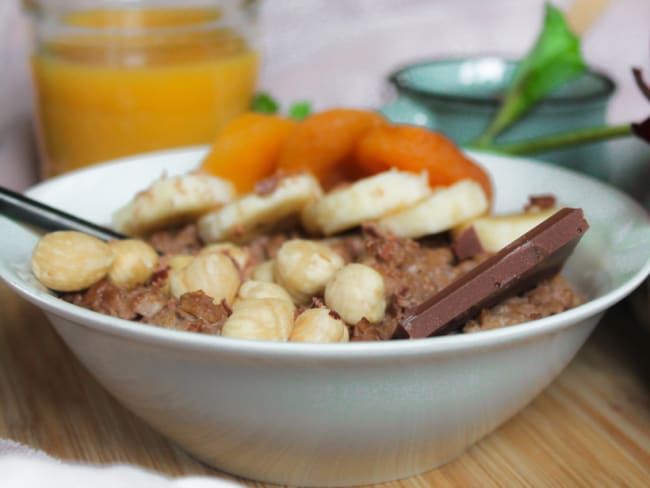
264,103
300,110
554,59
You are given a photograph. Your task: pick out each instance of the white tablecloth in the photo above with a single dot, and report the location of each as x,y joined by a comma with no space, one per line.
23,467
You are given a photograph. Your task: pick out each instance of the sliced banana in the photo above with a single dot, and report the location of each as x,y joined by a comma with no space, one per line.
254,214
364,201
494,232
172,201
444,209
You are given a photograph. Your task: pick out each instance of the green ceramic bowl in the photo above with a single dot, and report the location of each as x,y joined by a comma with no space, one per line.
459,96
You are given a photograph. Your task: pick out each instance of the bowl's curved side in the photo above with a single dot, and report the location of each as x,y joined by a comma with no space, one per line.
302,421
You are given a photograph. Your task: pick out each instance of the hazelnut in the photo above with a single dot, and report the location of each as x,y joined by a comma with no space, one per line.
238,254
264,271
175,264
319,325
357,291
268,319
135,262
179,261
262,289
304,267
70,260
214,274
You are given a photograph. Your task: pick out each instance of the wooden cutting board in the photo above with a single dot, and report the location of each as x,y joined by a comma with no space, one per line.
591,427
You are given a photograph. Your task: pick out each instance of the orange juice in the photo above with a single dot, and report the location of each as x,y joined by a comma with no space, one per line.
129,81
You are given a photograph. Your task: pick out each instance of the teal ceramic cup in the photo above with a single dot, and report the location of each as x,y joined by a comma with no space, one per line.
459,97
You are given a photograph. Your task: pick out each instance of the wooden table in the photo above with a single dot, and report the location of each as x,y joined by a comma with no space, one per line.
591,427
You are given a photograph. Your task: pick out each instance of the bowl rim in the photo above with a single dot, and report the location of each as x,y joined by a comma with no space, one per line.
175,339
395,78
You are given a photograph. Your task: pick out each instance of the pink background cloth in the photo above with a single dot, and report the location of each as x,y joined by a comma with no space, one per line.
338,52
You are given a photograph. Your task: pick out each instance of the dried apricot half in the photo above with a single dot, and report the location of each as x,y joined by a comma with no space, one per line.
411,148
324,143
247,150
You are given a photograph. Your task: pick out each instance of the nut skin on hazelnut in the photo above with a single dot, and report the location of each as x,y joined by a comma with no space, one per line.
357,291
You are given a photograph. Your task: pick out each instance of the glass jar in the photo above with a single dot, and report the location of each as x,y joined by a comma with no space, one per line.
119,77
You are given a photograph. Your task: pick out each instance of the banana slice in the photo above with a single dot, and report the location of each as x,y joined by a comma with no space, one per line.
492,233
444,209
172,201
365,200
254,214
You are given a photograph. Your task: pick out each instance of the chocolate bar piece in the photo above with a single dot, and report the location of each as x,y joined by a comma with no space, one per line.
467,244
535,256
540,202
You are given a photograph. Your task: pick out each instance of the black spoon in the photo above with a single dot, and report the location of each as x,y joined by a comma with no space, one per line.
29,211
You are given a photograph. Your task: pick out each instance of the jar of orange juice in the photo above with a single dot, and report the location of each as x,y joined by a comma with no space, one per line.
119,77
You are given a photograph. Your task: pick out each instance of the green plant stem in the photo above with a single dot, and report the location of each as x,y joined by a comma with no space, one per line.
487,138
558,141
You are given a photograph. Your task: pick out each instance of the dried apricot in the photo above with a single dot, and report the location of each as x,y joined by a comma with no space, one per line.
411,148
324,143
247,150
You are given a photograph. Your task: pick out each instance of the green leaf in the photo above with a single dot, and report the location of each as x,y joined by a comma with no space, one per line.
300,110
554,60
264,103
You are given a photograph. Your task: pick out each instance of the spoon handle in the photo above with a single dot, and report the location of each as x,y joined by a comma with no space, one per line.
29,211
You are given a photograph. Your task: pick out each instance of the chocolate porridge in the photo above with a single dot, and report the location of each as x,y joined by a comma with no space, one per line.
413,270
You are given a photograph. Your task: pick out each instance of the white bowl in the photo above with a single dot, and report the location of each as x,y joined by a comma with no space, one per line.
335,414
